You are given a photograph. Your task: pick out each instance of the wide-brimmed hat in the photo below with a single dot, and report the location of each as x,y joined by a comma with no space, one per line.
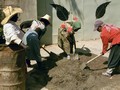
9,11
97,24
45,19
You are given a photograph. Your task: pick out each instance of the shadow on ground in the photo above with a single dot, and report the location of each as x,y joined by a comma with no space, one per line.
63,74
38,78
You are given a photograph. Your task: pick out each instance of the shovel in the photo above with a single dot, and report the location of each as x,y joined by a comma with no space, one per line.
50,53
84,65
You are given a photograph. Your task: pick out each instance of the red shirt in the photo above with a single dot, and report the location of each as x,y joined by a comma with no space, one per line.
109,34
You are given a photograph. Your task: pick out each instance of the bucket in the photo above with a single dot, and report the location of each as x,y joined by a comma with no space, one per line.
12,67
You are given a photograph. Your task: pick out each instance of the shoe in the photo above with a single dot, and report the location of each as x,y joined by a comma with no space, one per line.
109,72
68,57
106,74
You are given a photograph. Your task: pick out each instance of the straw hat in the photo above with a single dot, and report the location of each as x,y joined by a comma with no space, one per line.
9,11
45,19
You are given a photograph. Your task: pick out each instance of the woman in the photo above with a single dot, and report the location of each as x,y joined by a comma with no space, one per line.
66,39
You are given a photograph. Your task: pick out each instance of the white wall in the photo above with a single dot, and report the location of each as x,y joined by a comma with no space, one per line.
84,9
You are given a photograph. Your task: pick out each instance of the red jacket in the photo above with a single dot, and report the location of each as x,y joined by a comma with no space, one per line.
109,34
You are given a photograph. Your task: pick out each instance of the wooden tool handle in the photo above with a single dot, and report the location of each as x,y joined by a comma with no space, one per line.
96,57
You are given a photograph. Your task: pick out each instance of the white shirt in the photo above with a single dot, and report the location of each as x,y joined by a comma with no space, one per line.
12,33
37,24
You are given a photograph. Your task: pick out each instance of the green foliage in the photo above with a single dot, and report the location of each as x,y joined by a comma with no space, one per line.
100,11
62,12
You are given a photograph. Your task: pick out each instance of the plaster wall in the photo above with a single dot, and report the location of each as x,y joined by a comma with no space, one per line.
83,9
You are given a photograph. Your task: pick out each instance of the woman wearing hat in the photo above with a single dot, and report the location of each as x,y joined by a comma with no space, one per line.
32,39
110,34
11,31
66,39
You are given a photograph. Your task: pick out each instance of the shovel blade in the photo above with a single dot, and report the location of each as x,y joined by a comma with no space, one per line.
83,66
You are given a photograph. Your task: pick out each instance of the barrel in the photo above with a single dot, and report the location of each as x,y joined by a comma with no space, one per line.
12,68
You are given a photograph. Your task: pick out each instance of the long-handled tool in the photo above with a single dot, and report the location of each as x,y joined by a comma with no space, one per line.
84,65
50,53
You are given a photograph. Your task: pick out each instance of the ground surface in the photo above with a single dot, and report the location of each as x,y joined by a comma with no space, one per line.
63,74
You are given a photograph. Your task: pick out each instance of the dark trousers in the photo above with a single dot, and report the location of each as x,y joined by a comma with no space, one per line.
114,57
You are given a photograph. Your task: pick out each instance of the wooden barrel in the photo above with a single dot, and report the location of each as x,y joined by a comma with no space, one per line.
12,68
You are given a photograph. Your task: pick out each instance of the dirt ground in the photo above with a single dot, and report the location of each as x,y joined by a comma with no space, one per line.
62,74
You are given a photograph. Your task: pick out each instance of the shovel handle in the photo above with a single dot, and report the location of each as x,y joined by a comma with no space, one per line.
96,57
45,50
